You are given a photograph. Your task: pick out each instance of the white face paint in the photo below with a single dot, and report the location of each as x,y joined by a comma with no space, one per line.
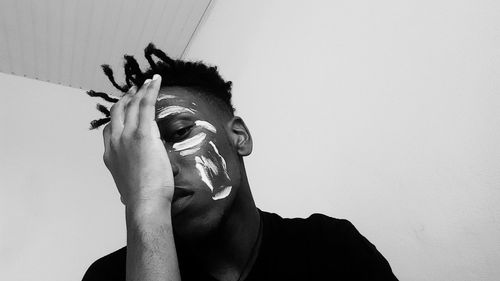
190,143
164,97
206,125
189,151
205,166
173,109
209,170
223,193
211,164
224,167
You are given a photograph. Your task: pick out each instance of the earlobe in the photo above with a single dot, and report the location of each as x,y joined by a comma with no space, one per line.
240,136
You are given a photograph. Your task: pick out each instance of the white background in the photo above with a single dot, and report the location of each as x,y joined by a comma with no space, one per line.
382,112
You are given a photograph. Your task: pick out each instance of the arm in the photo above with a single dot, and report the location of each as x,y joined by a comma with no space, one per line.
138,161
151,251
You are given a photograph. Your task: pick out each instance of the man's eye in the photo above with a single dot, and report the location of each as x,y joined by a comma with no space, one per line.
181,133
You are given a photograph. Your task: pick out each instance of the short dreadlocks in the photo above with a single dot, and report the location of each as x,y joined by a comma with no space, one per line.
174,72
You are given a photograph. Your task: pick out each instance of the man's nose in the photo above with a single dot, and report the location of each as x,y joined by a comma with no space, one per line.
175,167
172,157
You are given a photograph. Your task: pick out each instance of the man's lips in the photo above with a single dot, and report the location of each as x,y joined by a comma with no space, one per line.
181,199
180,192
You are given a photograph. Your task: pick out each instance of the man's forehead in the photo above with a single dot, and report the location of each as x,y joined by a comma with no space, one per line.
173,101
175,96
166,100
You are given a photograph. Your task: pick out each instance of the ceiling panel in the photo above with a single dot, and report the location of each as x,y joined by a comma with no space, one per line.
66,41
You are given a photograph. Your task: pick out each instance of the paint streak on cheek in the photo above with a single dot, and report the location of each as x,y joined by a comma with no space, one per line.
213,170
223,161
207,169
211,166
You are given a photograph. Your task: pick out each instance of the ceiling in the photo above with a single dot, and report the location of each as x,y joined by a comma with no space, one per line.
66,41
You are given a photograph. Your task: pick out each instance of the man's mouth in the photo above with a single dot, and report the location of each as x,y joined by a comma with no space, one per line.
180,192
181,199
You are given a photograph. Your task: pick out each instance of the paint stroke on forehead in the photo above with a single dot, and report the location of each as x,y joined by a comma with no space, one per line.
222,159
206,125
173,109
190,143
164,97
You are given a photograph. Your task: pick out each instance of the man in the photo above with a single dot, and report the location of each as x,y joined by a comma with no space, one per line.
175,150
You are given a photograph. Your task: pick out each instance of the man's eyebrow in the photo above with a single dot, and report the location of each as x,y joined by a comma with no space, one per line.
173,109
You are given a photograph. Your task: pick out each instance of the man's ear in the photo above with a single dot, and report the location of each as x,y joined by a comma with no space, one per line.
239,136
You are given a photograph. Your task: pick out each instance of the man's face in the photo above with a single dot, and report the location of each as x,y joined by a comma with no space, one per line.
204,163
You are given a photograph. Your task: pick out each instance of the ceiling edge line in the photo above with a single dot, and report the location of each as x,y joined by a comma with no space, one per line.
195,29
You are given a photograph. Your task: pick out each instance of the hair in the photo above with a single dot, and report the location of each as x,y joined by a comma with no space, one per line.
174,72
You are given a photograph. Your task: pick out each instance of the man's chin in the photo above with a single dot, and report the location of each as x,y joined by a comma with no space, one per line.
191,228
198,218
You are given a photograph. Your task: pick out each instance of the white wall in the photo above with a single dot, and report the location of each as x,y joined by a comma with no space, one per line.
59,208
386,113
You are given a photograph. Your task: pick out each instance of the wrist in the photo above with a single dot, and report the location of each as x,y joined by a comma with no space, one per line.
144,196
149,210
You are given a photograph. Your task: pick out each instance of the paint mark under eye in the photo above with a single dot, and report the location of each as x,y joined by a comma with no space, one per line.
190,143
223,193
224,167
173,109
189,151
206,125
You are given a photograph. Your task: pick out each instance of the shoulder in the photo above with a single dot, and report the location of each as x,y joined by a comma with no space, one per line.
311,236
110,267
331,245
316,225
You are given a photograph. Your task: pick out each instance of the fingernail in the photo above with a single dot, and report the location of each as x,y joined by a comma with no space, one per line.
147,81
155,77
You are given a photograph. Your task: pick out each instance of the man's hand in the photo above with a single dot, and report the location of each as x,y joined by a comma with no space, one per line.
134,152
138,161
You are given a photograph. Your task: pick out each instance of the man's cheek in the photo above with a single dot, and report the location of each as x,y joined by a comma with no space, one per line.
212,169
201,154
189,146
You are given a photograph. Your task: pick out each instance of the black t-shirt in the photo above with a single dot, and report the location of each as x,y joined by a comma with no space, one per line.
316,248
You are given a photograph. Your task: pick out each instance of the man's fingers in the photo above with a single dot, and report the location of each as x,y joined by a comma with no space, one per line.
147,105
132,110
106,133
118,112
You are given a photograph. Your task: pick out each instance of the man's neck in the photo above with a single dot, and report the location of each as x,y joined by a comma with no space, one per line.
233,251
